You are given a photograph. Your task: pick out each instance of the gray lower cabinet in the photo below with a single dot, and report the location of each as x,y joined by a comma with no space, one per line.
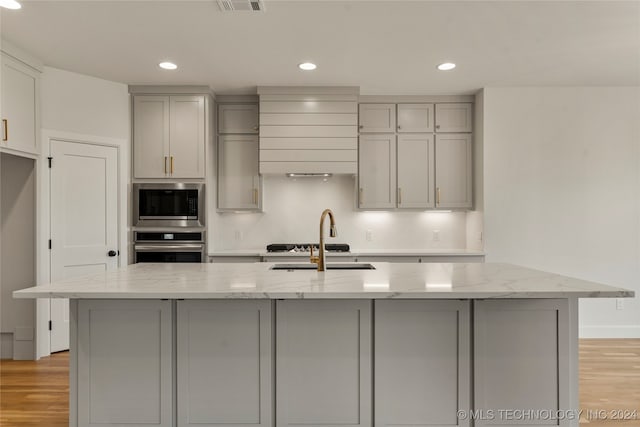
124,364
418,379
224,363
323,364
510,335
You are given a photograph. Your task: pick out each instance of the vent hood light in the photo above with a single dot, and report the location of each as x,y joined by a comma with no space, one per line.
309,175
446,66
167,66
307,66
10,4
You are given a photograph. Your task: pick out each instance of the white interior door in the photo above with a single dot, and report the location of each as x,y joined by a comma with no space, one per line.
84,220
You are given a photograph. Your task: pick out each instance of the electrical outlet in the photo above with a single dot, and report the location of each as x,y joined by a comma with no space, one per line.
619,303
436,235
369,235
238,235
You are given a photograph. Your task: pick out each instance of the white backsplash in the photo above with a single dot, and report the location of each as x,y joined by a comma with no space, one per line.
292,211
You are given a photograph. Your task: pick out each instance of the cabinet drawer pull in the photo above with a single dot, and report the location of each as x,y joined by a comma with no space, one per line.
171,165
165,165
438,196
399,195
361,196
5,123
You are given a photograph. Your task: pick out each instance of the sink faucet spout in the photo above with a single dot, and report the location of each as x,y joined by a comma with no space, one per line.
333,232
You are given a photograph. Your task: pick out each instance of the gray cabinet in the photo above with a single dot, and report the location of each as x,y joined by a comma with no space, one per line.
20,97
238,118
124,363
323,364
454,117
239,180
169,136
416,171
377,171
415,118
510,335
224,360
377,118
418,380
453,171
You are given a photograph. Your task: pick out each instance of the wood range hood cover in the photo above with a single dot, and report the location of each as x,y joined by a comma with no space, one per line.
308,129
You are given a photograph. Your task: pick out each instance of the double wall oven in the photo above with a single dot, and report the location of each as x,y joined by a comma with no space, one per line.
169,222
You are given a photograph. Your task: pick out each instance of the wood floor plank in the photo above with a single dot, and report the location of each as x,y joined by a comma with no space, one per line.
37,393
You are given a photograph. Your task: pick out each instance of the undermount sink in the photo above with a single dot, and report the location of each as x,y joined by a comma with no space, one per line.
337,266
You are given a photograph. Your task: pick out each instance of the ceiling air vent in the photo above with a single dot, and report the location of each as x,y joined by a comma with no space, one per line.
241,5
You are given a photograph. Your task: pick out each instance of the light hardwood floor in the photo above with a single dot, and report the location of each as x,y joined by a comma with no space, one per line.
37,393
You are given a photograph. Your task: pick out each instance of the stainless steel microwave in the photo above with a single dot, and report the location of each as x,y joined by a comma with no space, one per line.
168,205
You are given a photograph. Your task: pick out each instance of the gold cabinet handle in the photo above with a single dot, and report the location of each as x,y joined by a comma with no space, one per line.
5,136
438,196
171,165
165,165
399,195
255,196
361,195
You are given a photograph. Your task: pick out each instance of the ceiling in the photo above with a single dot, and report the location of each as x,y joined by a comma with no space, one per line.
385,47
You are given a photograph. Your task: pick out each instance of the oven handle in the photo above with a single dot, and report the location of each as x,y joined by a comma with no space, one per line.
169,248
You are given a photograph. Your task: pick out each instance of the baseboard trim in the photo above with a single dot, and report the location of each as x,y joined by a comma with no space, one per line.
623,331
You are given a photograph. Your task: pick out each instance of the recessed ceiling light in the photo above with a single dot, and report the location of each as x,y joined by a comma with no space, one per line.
168,65
10,4
446,66
307,66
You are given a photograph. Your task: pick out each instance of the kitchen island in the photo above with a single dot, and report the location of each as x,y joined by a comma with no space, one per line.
404,344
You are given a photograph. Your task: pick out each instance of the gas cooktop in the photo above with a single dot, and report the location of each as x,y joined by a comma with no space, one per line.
306,247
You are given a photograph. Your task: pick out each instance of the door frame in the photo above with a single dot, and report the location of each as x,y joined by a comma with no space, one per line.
43,256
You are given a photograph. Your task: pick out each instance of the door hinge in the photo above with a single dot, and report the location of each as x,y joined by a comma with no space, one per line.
49,243
50,325
50,160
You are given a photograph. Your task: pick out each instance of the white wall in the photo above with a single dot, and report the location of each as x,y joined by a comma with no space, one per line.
562,190
77,107
292,213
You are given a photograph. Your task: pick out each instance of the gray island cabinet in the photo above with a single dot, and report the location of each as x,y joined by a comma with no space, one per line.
243,345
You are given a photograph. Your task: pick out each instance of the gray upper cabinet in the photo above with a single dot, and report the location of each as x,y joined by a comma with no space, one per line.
323,363
238,118
416,171
415,118
169,136
20,111
377,171
454,117
377,118
453,160
239,181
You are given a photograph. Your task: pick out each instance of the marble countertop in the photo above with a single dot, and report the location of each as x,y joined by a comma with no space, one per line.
352,253
388,280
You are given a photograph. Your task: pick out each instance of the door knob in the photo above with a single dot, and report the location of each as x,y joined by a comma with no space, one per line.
112,253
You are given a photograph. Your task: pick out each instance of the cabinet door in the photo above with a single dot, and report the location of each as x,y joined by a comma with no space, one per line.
238,118
377,118
453,171
151,136
20,85
454,117
323,363
521,359
422,368
416,171
224,362
124,363
377,171
238,179
187,136
415,118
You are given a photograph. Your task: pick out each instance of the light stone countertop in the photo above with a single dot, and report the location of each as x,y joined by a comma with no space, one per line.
257,281
352,253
